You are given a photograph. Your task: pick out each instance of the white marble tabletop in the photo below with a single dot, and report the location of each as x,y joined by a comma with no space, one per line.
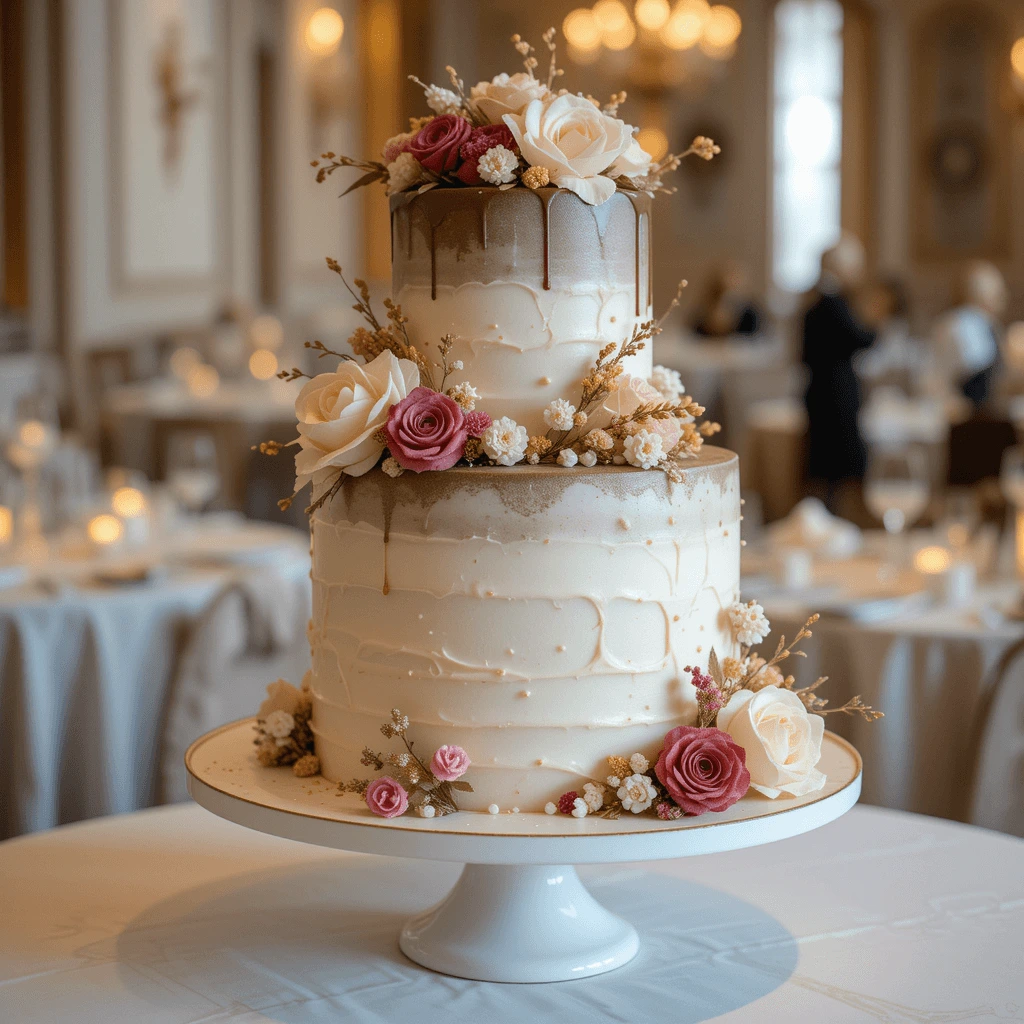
173,916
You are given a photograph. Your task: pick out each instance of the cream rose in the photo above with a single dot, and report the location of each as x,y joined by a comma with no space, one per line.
507,94
631,393
340,412
575,142
782,741
635,162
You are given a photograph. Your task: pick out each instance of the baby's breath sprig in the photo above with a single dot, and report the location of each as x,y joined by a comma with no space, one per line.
554,71
525,50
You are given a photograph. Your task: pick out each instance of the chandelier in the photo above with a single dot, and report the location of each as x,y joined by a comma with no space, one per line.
655,28
659,47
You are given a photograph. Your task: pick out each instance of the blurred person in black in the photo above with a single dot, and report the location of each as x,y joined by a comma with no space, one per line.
726,307
832,335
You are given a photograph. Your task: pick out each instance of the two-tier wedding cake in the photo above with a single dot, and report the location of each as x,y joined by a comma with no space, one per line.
525,560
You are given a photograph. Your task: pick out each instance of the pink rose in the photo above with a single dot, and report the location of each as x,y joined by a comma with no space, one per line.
480,140
702,769
477,423
426,430
449,762
436,145
386,797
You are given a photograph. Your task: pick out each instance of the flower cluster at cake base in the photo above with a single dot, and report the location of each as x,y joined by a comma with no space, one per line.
409,783
516,131
754,730
283,733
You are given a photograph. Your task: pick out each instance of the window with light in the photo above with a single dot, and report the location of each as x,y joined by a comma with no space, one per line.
808,138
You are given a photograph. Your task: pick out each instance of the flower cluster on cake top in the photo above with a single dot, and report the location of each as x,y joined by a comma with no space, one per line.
517,130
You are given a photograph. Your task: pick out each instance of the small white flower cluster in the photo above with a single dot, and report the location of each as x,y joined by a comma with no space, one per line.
279,724
590,803
559,413
498,166
644,449
505,441
403,171
749,624
567,458
463,395
668,383
636,792
442,101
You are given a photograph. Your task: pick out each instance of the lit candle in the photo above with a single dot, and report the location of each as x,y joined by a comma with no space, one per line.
105,530
130,505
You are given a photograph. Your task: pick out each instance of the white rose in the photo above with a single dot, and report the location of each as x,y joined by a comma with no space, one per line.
507,94
635,162
575,142
782,741
281,696
340,412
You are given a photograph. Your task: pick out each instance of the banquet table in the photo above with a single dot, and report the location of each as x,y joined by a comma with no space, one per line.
173,916
139,420
87,663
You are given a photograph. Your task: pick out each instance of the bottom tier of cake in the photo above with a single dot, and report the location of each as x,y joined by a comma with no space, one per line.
540,618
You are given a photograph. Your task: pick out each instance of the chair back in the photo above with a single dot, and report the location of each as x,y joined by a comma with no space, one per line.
252,633
997,792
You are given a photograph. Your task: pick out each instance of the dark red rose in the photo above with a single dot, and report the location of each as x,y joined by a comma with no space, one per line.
480,140
702,769
426,430
436,145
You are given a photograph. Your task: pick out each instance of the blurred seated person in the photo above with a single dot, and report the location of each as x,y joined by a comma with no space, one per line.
832,335
726,307
895,357
967,336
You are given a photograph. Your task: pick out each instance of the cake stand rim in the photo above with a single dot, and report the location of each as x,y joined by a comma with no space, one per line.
387,837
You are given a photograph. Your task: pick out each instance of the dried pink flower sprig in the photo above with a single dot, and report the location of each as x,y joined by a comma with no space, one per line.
429,789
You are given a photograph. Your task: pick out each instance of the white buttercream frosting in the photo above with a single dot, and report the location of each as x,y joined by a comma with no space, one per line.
539,618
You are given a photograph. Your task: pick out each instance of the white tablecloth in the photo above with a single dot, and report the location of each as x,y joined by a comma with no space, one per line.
175,917
929,671
85,673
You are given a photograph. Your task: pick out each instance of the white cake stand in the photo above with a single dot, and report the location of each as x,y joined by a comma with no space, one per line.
519,912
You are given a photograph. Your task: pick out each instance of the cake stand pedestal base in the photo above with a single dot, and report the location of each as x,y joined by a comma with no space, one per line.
511,916
519,923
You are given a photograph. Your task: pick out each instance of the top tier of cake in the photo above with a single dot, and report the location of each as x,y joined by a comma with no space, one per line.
532,284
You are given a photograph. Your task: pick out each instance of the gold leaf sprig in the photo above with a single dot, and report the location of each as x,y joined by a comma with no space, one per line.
374,170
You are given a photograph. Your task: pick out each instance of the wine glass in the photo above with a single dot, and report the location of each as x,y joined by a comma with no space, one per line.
30,444
960,519
896,490
1011,482
192,474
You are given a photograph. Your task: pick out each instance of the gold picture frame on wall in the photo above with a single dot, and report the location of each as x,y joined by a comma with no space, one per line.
961,168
